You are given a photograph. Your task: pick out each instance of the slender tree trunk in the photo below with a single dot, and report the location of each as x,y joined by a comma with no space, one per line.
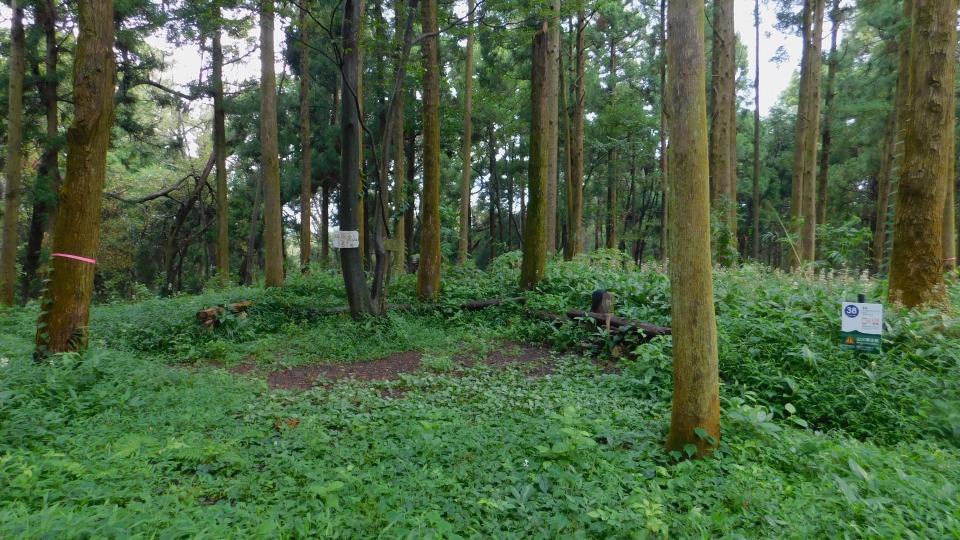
723,135
756,132
409,217
613,176
11,215
220,150
534,242
565,114
270,154
892,159
399,174
826,138
48,175
575,175
553,126
465,183
65,306
664,177
306,151
696,388
950,218
428,273
250,258
351,259
916,266
494,191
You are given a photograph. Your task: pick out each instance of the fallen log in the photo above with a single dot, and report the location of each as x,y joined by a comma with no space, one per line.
612,322
477,305
210,317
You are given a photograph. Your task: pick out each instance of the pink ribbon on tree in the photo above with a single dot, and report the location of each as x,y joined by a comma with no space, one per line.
74,257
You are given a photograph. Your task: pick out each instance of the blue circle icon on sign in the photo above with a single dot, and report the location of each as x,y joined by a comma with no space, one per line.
851,311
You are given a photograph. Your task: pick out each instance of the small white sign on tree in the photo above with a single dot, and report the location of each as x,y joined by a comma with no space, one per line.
346,239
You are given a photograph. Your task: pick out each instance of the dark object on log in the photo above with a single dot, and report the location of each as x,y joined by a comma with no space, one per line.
612,323
477,305
602,302
210,317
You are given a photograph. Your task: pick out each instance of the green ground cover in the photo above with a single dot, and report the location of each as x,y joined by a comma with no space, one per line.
148,436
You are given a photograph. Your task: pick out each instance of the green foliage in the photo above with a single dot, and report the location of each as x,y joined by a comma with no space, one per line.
816,442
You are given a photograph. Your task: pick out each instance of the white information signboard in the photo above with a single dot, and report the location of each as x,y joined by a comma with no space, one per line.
861,326
346,239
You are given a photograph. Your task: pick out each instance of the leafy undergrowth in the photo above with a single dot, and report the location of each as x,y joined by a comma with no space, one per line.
817,442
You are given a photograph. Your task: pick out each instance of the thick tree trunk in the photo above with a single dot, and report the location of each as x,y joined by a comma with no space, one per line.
916,265
47,189
65,307
553,126
891,159
428,273
465,177
534,229
723,135
696,390
11,214
220,151
270,154
827,136
351,259
575,174
756,132
306,151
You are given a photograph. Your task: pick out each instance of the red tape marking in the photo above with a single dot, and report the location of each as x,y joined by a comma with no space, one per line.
74,257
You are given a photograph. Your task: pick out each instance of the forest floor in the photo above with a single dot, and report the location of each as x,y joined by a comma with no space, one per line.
441,423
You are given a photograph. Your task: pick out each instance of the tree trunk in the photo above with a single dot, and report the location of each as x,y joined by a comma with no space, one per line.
892,160
664,177
465,183
916,265
270,154
575,174
351,259
534,261
249,258
306,152
553,126
220,150
493,190
723,135
803,190
47,189
696,390
65,306
950,219
832,62
756,132
11,214
428,273
399,173
612,177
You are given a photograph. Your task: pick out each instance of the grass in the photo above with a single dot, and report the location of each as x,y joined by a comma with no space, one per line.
816,442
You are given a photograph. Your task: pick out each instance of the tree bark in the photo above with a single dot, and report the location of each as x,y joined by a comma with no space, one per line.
950,219
696,390
916,265
465,183
553,126
220,151
250,256
612,173
756,132
828,104
270,154
65,306
306,151
11,214
723,135
664,176
891,159
575,174
534,261
351,259
493,190
428,273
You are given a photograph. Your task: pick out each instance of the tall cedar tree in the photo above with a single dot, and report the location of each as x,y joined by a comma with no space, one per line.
351,259
11,215
534,228
803,190
756,132
833,61
574,244
916,265
891,159
220,153
465,184
664,177
553,125
65,306
723,135
270,153
428,273
696,387
306,191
